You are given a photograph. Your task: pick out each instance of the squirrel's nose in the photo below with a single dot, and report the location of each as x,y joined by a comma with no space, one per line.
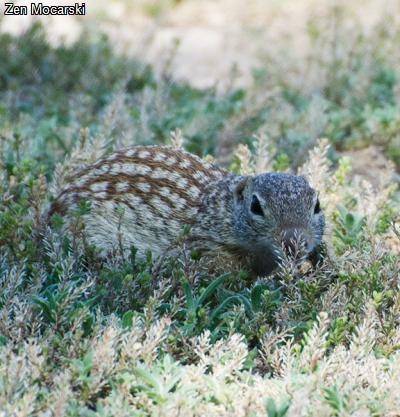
294,241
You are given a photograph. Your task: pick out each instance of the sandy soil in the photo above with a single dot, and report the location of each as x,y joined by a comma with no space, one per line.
204,42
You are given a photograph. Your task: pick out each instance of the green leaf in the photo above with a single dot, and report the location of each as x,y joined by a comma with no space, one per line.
127,319
274,411
256,296
190,303
234,299
336,401
212,288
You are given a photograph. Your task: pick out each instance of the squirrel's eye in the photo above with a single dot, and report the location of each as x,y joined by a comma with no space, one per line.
256,206
317,207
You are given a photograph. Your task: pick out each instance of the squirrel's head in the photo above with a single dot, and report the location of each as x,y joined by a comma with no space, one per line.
276,211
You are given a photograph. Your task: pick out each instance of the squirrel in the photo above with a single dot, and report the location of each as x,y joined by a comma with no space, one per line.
143,196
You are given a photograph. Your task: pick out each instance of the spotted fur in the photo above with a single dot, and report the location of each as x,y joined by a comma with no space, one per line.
143,196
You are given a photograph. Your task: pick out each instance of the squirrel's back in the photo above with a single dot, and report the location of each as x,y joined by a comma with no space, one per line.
141,196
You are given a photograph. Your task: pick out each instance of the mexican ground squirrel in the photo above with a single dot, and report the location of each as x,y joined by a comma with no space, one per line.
143,196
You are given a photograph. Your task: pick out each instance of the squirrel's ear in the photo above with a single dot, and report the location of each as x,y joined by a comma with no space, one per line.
239,189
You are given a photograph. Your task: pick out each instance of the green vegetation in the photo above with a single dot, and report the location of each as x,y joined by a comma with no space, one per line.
130,337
